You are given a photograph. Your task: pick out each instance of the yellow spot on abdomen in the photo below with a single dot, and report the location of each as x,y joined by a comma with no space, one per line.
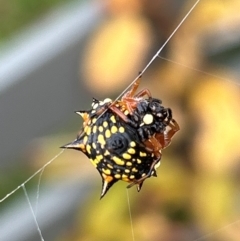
89,131
107,133
131,151
94,129
113,119
126,156
118,176
106,171
109,166
114,129
99,157
101,139
132,144
143,154
118,161
106,153
85,139
86,128
88,148
134,170
100,128
105,124
121,129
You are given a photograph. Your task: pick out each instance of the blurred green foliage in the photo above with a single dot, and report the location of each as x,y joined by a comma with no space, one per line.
15,14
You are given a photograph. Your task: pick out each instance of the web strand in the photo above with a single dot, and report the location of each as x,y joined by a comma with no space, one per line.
38,190
204,237
160,50
31,209
39,170
198,70
130,214
156,55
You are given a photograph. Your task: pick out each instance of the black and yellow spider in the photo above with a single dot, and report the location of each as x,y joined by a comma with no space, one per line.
124,138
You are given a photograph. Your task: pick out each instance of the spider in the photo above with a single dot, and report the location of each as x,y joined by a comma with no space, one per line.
124,138
148,116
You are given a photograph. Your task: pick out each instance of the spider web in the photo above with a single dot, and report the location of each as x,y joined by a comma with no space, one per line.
40,171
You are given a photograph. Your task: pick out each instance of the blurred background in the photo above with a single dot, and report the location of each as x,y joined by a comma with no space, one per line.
56,55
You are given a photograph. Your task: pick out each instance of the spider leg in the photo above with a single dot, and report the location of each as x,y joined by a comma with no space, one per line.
121,115
128,100
169,116
140,181
144,92
174,128
132,91
165,138
157,144
130,103
153,145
